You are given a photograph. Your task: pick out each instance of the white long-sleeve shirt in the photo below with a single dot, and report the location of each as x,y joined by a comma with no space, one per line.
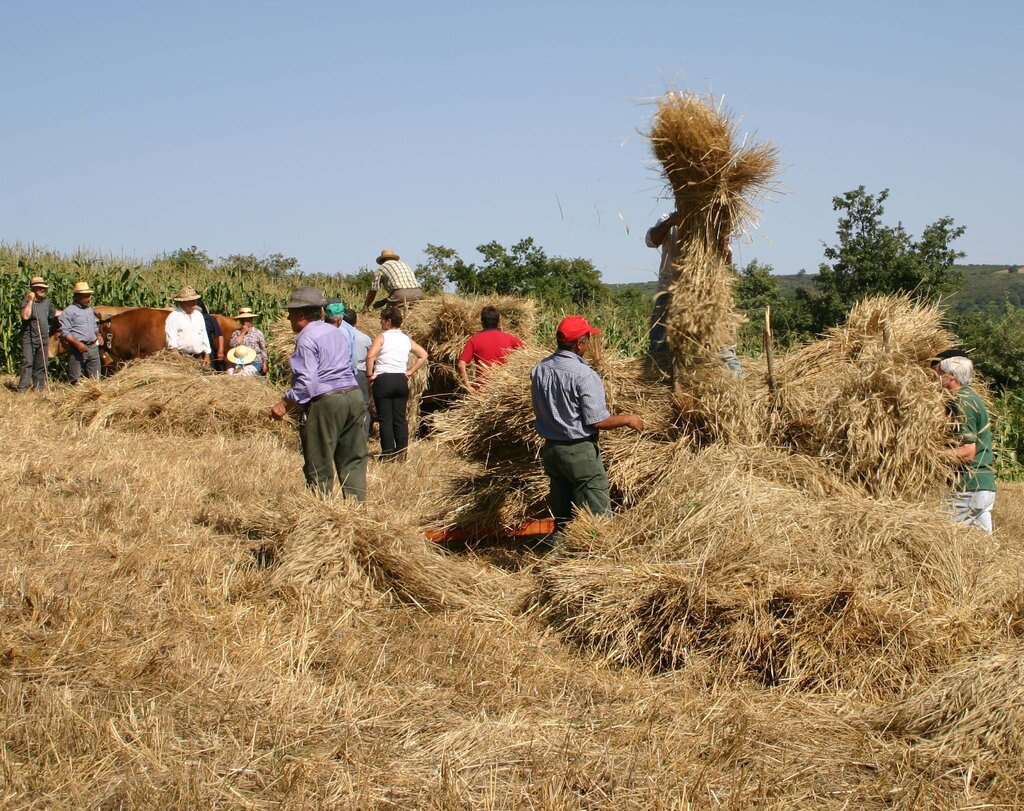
187,333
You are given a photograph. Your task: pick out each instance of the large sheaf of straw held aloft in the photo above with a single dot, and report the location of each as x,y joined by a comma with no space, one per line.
715,178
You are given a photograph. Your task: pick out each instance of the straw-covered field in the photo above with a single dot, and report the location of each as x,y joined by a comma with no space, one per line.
184,626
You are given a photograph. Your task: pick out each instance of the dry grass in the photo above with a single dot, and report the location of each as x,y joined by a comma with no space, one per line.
745,563
715,179
168,393
182,626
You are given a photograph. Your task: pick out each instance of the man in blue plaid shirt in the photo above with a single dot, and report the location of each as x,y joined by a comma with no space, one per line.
570,410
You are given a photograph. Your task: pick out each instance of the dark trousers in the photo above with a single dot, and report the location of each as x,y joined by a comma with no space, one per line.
89,360
364,388
391,396
333,440
577,477
33,363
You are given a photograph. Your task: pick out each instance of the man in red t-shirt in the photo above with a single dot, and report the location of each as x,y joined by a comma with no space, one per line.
487,348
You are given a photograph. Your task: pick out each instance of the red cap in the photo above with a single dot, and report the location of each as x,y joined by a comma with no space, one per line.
575,326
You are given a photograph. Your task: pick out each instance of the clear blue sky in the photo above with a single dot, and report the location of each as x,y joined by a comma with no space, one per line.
328,131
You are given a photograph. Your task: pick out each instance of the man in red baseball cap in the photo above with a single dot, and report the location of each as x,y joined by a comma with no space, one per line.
570,409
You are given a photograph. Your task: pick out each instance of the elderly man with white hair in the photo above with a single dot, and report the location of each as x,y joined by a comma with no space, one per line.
974,493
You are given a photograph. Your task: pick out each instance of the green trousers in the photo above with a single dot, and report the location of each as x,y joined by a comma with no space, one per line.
577,480
333,439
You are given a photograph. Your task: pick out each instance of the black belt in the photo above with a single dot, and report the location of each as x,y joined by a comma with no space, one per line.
332,391
570,441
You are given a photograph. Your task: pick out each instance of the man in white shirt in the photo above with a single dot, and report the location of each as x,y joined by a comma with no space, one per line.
185,328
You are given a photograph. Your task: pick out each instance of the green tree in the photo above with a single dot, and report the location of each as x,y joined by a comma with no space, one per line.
526,270
872,258
435,271
755,289
277,266
995,340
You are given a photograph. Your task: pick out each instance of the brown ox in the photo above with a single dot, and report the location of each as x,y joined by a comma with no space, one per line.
59,348
139,332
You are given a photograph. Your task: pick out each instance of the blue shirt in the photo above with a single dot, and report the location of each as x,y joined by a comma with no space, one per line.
350,333
321,363
363,344
78,322
568,397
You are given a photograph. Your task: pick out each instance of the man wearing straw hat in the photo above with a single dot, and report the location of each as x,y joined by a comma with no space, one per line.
185,327
78,330
324,389
36,314
570,410
398,280
974,492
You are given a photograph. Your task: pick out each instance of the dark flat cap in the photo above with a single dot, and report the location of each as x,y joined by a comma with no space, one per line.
303,297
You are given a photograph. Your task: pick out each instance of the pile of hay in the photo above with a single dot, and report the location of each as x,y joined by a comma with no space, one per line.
969,718
169,393
753,563
865,401
714,178
493,428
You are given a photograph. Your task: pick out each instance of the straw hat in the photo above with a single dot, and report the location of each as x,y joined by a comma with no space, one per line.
187,293
82,288
241,355
37,281
245,312
386,255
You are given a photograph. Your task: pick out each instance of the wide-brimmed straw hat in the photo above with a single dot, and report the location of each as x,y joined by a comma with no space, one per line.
303,297
245,312
187,293
241,355
82,289
385,255
37,281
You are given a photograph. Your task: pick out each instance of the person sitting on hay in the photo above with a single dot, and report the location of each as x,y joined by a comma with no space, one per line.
570,410
974,491
243,361
398,280
664,234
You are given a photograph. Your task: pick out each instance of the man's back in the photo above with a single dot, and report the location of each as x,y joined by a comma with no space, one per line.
490,346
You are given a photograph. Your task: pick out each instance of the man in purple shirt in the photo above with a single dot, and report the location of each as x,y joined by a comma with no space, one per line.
324,389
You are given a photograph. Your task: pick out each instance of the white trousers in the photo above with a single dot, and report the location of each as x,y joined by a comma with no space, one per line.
974,509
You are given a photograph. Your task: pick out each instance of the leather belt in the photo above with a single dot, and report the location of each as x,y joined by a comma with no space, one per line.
332,391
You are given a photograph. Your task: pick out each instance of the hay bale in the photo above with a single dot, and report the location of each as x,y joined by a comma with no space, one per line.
714,178
737,564
969,718
864,400
169,393
493,428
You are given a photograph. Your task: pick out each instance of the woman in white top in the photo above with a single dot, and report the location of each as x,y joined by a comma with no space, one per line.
388,371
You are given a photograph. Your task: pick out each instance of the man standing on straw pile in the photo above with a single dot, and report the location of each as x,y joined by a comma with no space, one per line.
664,234
487,348
78,329
324,389
570,410
185,327
398,279
36,314
974,493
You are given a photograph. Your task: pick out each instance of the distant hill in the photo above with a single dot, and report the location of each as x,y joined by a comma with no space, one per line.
983,285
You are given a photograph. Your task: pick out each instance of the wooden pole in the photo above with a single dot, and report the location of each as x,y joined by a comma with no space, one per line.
769,355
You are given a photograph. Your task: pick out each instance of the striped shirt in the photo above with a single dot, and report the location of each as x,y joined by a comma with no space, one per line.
568,397
394,275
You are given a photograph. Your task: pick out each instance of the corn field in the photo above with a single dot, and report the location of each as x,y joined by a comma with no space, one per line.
126,283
